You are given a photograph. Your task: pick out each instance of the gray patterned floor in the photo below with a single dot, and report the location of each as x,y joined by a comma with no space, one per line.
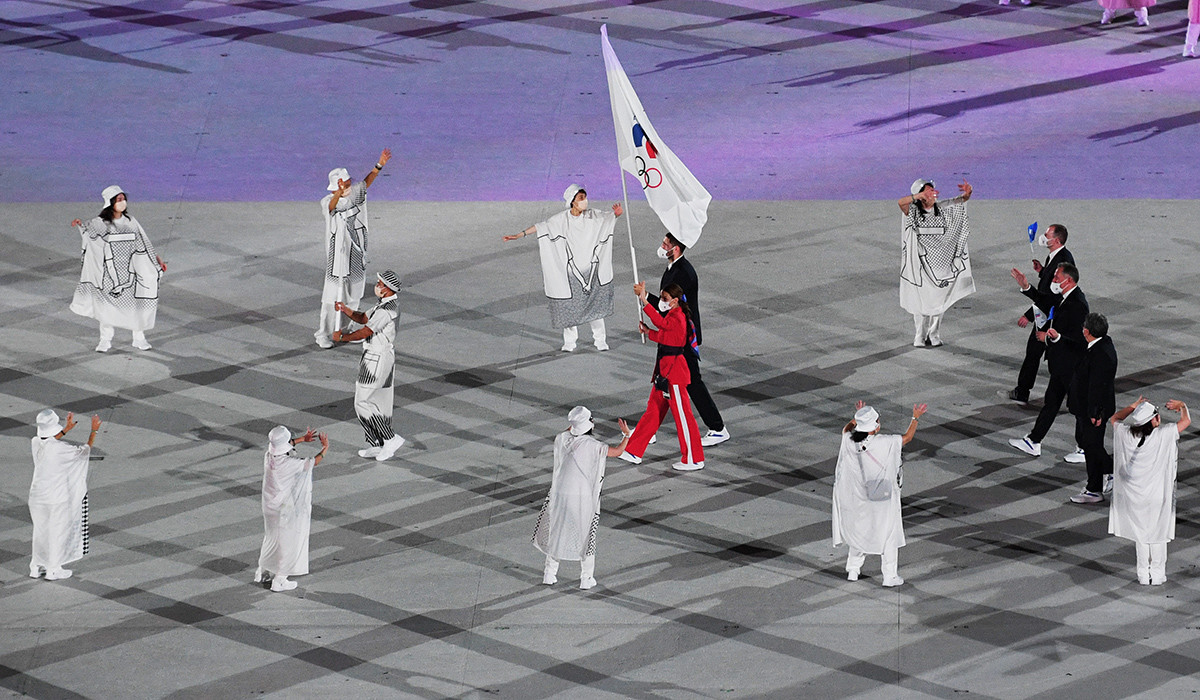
720,583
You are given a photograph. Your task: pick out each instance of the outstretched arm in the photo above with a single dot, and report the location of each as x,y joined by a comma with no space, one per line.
521,234
918,411
625,432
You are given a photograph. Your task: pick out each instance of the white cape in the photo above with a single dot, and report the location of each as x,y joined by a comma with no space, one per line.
287,514
566,526
1143,497
935,265
866,525
576,245
57,502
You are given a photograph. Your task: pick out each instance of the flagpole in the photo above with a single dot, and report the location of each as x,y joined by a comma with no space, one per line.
629,228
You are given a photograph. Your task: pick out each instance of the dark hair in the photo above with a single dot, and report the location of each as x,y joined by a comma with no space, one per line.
577,193
1070,271
921,208
1143,431
859,436
107,212
675,242
1096,324
676,292
1060,232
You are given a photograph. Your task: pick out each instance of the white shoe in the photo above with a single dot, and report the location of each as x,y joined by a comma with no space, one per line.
935,341
1144,578
1158,577
1143,17
919,341
104,346
1106,17
370,452
892,581
1189,51
324,341
1026,2
601,346
258,576
389,448
549,579
35,571
58,574
1108,483
568,347
852,574
682,466
1033,449
630,458
1086,496
142,344
1003,2
1075,457
587,583
715,437
653,439
281,583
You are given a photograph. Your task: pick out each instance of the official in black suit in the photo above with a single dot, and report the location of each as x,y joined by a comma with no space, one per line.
679,271
1056,241
1093,401
1065,346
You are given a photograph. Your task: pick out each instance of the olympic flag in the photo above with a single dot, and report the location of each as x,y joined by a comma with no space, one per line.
678,198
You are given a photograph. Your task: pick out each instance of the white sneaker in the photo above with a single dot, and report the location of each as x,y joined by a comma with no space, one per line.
568,347
1189,50
58,574
935,341
142,344
587,583
1158,577
630,458
919,341
715,437
324,342
35,571
892,581
1143,17
852,575
602,346
682,466
1108,483
1033,449
1003,2
104,346
1086,496
1106,17
549,579
653,439
1075,457
258,575
370,452
389,448
281,583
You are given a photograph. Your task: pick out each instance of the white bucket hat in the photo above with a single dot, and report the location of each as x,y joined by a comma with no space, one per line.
581,420
918,185
569,193
866,419
47,424
1142,414
110,192
336,175
280,439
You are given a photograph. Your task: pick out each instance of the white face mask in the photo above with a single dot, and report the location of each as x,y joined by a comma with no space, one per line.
1042,241
120,206
1056,287
582,204
662,253
664,305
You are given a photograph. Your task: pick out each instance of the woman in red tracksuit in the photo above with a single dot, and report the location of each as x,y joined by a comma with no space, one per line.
671,378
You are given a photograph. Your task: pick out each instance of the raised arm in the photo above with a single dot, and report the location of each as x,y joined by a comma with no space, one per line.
1185,419
324,446
918,411
625,432
384,157
95,429
1124,412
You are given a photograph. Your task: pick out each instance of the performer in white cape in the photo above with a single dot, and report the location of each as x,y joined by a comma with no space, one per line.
576,250
287,508
345,212
374,390
866,492
1145,462
58,496
118,280
935,265
566,526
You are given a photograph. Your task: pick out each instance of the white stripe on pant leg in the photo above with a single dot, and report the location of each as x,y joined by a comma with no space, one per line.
682,424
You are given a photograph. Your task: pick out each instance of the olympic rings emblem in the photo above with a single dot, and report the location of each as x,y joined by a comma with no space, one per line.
644,174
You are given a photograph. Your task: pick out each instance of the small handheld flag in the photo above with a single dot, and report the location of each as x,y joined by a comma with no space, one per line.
1032,235
1051,316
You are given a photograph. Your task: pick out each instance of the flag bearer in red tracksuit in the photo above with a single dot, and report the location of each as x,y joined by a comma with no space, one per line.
671,378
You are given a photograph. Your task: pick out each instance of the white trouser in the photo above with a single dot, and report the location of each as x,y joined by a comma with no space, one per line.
927,327
890,560
106,334
1151,559
587,567
571,334
1193,33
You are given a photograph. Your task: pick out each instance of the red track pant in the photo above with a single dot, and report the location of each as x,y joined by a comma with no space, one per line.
685,424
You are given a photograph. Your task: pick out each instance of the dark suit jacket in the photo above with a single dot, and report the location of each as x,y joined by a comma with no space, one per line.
1062,356
1093,394
683,274
1046,276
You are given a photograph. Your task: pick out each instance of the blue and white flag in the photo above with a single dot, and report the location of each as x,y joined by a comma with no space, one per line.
678,198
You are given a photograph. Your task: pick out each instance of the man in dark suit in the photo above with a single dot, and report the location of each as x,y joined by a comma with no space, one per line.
1093,400
1065,346
679,271
1056,241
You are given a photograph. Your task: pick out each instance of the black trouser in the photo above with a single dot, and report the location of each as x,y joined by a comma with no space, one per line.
1099,462
700,397
1056,391
1034,349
